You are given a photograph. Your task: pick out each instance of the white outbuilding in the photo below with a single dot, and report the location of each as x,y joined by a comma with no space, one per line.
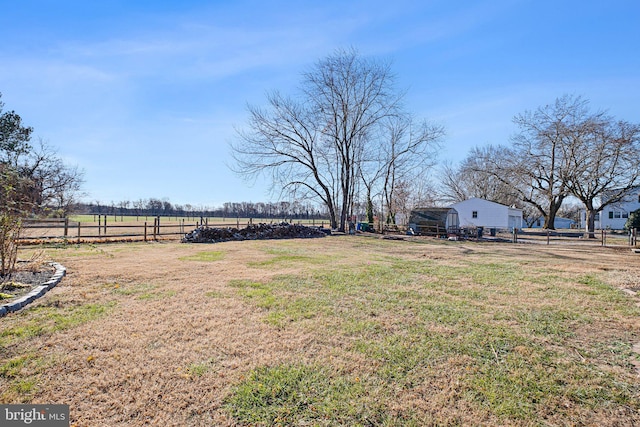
477,212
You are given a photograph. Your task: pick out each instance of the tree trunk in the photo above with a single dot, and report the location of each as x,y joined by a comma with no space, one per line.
591,223
590,217
549,220
344,210
391,218
550,217
333,223
332,218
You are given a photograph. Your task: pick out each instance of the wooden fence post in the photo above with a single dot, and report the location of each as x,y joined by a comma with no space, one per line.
78,232
99,223
145,231
156,228
66,227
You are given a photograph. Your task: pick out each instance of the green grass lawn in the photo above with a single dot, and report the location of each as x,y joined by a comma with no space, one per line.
509,339
399,333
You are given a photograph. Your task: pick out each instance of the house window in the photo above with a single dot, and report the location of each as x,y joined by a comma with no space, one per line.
611,215
625,214
474,214
638,198
616,214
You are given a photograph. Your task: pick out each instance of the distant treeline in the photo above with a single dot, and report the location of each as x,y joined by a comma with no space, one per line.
156,207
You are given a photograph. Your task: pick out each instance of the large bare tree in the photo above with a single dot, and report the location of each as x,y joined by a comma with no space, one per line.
402,154
540,154
605,163
534,168
561,150
55,186
47,183
408,151
478,175
566,149
486,173
312,145
536,165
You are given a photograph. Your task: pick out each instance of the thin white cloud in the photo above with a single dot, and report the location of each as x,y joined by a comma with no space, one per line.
195,46
52,72
126,98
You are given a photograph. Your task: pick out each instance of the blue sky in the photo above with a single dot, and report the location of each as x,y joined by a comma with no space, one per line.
145,96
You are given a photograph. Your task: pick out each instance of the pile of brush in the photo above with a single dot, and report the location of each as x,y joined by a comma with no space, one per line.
254,232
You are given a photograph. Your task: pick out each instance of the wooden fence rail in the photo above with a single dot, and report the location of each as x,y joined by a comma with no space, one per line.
162,228
34,231
158,228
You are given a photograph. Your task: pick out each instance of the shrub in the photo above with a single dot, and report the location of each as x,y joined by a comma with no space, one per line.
11,204
633,221
10,226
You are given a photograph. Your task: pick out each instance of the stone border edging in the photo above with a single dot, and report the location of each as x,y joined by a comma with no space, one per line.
35,293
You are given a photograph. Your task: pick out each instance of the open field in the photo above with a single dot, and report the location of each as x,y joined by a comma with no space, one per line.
343,330
114,228
230,221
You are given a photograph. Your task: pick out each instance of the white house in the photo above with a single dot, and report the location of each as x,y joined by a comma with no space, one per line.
477,212
615,216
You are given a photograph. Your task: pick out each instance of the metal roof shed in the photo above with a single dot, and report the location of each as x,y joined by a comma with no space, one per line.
433,221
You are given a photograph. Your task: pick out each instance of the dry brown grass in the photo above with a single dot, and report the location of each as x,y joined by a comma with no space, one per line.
173,337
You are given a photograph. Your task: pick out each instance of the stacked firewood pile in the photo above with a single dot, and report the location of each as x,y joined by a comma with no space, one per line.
253,232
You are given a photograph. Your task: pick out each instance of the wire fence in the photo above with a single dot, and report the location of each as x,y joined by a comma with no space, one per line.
603,238
598,237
